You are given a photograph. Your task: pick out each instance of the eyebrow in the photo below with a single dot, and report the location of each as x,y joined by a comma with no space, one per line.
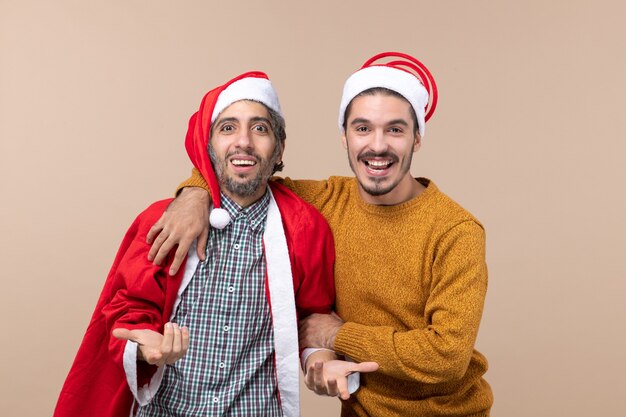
225,120
260,119
236,120
392,122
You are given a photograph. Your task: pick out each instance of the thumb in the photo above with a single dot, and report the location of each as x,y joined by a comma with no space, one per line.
366,367
123,334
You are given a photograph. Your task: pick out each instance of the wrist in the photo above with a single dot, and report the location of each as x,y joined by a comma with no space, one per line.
333,337
195,194
318,355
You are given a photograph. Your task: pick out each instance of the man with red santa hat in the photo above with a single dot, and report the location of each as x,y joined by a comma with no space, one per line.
219,337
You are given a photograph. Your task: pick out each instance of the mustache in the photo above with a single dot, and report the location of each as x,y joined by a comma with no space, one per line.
384,155
243,152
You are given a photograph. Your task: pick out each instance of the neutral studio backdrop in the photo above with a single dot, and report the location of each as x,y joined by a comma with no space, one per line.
529,136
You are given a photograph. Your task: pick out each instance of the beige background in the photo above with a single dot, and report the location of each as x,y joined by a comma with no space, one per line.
529,136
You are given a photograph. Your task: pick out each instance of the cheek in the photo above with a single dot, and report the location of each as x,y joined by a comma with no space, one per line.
267,149
219,145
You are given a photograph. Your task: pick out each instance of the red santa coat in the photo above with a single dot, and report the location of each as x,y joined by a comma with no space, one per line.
140,295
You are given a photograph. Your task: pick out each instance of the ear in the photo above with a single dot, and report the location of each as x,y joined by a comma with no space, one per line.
417,142
282,150
344,141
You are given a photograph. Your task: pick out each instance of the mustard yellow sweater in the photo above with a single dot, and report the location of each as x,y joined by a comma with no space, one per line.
411,281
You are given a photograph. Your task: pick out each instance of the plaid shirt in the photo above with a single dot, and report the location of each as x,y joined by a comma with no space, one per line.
229,367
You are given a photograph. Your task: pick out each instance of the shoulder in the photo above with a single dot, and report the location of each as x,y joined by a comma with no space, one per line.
293,207
447,211
152,213
329,185
338,183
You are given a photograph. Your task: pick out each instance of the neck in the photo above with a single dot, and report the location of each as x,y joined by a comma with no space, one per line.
407,189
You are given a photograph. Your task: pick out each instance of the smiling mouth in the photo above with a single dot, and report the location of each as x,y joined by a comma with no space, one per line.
377,164
243,162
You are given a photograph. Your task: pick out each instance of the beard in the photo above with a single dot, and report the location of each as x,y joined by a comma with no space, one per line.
240,185
378,186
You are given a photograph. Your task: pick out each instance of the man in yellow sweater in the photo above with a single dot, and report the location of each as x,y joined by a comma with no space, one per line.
410,270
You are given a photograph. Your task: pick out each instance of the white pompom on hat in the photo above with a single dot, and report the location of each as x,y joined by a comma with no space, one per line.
406,76
255,86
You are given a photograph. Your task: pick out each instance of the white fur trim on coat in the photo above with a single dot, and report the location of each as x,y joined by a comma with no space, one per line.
283,305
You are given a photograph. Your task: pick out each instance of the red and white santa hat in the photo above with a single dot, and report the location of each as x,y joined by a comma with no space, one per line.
403,74
255,86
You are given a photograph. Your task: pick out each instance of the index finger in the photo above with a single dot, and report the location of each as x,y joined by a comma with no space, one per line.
154,231
156,244
364,367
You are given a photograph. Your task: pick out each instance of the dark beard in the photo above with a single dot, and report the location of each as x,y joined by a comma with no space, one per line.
379,188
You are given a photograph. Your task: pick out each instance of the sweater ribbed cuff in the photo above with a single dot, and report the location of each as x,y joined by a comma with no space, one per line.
351,339
196,180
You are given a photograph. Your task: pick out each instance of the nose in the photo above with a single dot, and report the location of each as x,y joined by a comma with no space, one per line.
244,140
378,144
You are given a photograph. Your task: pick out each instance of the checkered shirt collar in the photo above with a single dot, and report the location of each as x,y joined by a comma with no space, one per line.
256,213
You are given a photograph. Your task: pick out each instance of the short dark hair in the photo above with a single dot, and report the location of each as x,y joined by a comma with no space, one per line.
277,123
386,92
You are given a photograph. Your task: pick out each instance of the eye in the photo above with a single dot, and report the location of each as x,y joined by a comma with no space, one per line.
396,130
226,128
362,129
260,128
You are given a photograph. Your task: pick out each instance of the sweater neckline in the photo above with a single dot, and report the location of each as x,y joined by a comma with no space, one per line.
431,189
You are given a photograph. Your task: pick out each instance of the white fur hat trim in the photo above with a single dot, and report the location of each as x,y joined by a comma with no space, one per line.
249,88
402,82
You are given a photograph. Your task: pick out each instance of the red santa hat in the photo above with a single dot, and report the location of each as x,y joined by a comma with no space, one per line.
403,74
254,86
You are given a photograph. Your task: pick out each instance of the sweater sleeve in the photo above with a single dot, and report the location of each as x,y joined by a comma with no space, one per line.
196,180
442,349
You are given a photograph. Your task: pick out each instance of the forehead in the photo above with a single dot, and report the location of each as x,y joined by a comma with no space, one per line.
244,110
380,107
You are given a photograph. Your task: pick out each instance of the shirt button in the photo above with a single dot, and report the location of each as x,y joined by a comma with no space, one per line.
231,289
226,328
222,365
236,246
215,399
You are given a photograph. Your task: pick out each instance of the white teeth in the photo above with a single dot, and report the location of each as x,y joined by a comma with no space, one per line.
379,164
243,162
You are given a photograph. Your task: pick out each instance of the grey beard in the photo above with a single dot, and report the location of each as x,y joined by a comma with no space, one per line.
242,189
